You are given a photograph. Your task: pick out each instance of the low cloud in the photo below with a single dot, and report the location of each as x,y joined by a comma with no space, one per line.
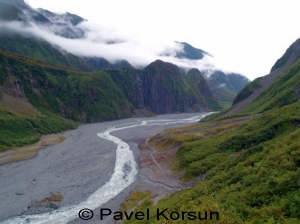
112,45
223,85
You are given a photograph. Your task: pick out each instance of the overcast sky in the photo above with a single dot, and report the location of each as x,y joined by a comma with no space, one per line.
245,36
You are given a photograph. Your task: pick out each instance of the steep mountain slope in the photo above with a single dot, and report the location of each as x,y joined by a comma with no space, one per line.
246,168
72,26
39,49
197,82
161,78
247,171
64,25
20,122
190,52
162,88
278,88
75,95
30,87
226,86
35,97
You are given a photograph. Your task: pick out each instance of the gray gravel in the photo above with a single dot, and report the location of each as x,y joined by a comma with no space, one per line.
75,168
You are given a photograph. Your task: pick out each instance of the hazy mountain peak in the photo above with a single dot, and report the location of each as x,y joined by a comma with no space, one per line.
194,71
190,52
64,25
16,3
65,18
11,10
163,67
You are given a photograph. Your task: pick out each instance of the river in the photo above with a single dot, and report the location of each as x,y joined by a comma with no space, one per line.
91,167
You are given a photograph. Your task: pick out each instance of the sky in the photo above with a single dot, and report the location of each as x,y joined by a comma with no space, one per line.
245,36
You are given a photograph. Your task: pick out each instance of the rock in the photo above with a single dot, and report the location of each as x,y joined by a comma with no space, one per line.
54,205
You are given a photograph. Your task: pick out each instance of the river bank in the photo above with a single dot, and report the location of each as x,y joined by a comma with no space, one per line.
30,151
73,169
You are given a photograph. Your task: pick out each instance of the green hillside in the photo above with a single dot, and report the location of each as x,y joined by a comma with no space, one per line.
283,91
252,169
226,86
74,95
34,92
247,166
38,98
17,130
247,91
39,49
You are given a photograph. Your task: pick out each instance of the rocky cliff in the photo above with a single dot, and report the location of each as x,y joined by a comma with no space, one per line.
108,94
163,88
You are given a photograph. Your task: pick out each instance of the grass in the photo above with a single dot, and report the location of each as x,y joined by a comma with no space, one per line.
17,130
134,199
30,151
53,197
16,156
252,169
280,93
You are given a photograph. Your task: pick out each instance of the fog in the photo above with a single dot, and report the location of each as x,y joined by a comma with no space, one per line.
110,44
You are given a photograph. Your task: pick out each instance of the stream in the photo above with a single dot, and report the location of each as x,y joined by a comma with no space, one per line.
123,175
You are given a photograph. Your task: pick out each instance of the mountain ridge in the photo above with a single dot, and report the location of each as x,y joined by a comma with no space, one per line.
245,164
68,26
260,85
42,89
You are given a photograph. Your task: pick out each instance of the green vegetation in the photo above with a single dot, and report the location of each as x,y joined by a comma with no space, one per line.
41,50
135,198
284,59
197,84
281,92
225,87
162,88
17,130
54,92
252,169
40,94
251,166
247,91
79,96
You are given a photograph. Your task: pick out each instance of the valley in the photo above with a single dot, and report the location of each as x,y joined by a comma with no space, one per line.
78,167
93,119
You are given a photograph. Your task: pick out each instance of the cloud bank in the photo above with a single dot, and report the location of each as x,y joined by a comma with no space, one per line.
111,44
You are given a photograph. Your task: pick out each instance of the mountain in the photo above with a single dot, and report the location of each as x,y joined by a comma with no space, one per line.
245,167
64,25
71,26
162,88
279,88
36,48
223,86
190,52
50,92
226,86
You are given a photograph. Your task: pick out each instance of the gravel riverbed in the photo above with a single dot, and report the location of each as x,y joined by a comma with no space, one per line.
75,169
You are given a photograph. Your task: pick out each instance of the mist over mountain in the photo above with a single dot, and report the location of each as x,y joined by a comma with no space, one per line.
80,37
59,70
70,40
64,25
249,159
